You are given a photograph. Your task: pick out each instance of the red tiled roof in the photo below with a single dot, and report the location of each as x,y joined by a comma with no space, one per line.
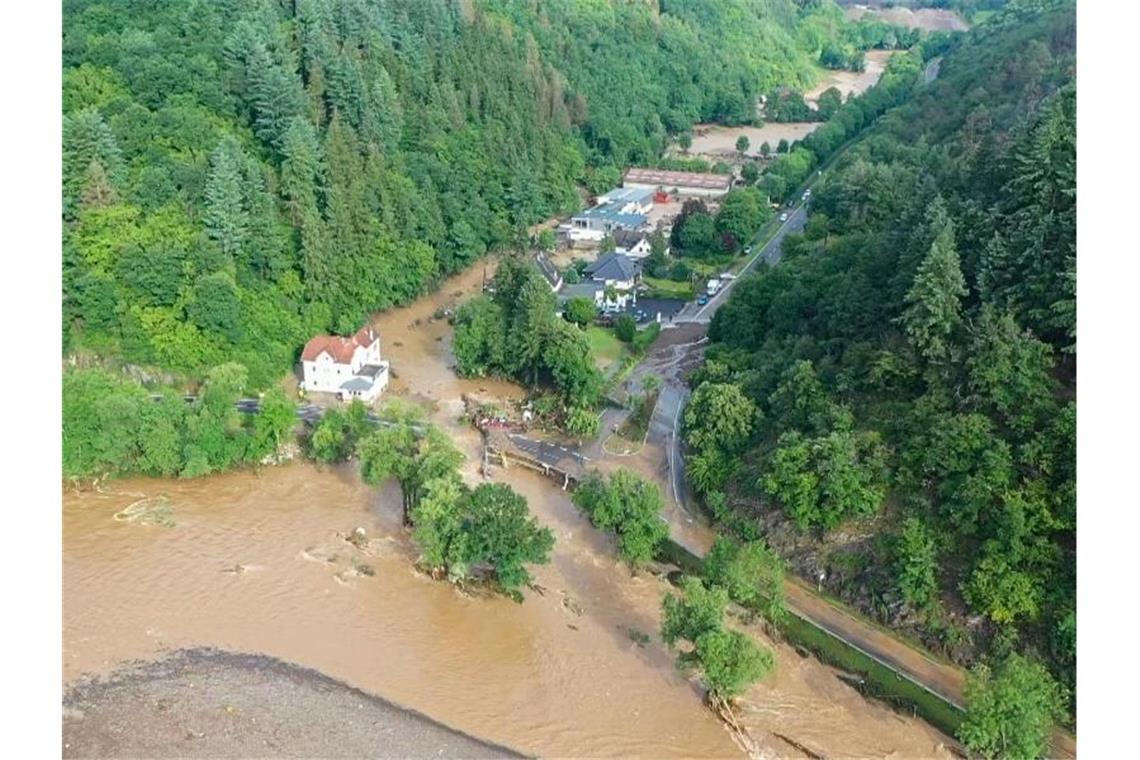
340,349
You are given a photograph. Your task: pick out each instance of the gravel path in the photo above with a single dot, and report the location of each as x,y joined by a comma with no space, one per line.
204,703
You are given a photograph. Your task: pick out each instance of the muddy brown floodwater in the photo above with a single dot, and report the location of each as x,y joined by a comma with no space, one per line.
258,562
857,82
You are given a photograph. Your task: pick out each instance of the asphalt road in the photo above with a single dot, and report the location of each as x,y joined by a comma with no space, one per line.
547,453
770,254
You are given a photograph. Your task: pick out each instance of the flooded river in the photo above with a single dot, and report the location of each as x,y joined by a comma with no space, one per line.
715,142
852,82
258,562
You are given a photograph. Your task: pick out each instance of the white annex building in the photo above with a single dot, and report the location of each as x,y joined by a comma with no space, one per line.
349,367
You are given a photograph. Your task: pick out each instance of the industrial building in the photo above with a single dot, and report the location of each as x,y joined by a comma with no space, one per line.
679,183
621,208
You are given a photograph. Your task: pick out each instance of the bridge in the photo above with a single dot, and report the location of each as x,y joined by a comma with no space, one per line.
563,465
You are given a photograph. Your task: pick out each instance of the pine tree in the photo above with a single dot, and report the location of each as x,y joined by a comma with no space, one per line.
302,184
1032,267
87,138
276,96
97,191
227,217
933,307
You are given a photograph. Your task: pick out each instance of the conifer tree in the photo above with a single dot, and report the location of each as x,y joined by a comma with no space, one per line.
226,217
86,138
933,303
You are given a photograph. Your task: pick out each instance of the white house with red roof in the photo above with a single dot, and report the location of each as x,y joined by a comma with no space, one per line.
349,367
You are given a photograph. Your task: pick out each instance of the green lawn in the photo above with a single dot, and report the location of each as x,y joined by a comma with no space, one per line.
662,288
605,347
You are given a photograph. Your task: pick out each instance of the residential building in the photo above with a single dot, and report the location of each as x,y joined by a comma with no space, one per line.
549,271
679,183
621,208
351,368
616,270
596,292
632,243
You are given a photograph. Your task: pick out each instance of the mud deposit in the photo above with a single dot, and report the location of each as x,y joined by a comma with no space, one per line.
852,82
930,19
205,703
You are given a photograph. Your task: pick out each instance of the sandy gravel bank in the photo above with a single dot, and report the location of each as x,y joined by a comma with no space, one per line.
204,703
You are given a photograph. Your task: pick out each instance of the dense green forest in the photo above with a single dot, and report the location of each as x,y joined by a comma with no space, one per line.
894,403
240,175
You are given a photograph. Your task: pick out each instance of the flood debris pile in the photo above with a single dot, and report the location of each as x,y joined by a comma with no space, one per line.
151,510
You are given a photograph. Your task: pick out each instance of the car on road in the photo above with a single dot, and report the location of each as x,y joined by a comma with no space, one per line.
702,300
784,217
807,193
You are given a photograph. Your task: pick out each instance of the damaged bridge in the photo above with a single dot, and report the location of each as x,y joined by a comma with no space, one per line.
564,465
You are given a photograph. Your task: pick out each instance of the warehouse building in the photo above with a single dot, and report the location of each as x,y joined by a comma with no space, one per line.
679,183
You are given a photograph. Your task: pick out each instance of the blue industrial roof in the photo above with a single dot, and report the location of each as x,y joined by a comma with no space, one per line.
615,201
611,212
624,195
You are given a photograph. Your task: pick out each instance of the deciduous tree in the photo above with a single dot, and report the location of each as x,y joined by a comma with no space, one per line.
1010,711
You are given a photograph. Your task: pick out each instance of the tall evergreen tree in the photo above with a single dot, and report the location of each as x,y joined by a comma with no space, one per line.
227,217
933,304
87,139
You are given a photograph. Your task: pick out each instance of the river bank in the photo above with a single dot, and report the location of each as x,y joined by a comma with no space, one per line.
206,703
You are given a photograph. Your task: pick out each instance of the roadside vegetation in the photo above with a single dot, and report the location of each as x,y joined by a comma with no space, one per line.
699,234
908,370
112,426
628,506
636,425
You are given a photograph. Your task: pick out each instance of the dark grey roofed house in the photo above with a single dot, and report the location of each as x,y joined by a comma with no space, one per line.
613,266
628,238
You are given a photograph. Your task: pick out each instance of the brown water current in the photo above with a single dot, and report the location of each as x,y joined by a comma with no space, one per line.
259,562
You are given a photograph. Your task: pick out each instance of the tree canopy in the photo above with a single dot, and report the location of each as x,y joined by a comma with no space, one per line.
630,507
240,176
912,364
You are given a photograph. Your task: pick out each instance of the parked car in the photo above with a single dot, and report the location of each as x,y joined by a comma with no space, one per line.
784,217
748,249
702,300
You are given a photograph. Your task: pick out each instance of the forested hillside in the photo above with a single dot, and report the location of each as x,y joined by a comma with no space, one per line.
240,175
893,404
